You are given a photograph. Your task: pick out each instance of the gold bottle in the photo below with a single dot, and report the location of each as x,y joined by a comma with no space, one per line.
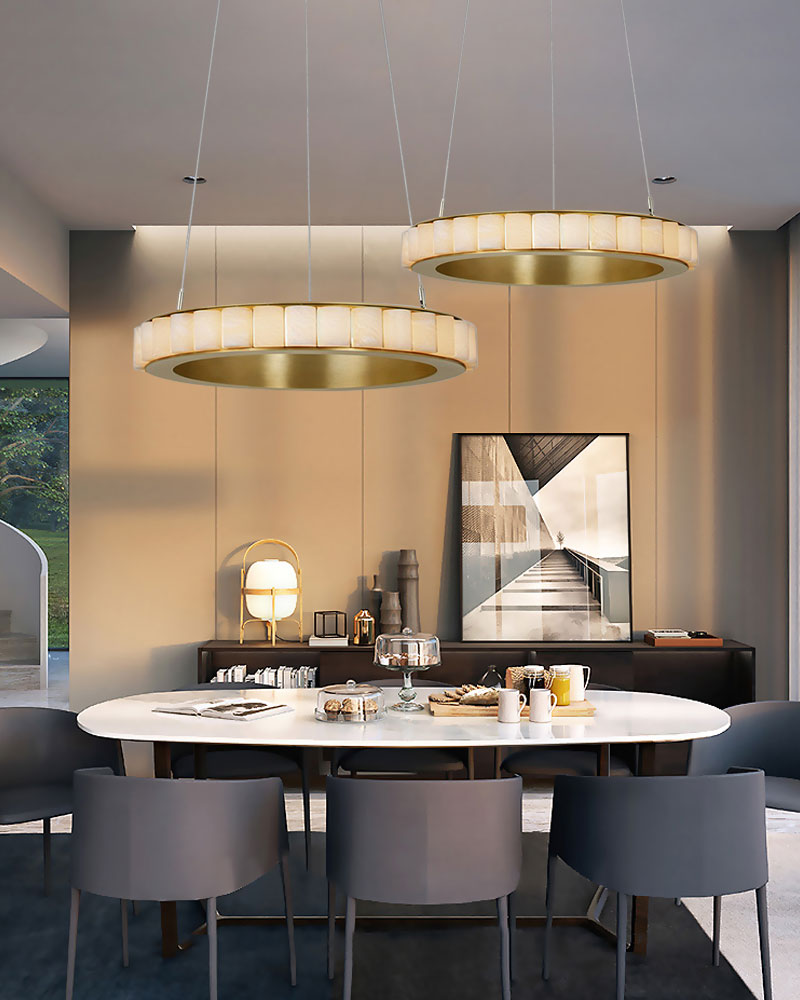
363,629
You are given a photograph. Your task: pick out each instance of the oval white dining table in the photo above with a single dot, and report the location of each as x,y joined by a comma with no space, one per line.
633,717
621,717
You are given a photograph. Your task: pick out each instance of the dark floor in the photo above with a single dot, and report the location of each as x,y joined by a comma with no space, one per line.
398,963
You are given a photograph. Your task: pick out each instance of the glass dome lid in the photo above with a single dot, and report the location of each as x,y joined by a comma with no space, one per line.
407,650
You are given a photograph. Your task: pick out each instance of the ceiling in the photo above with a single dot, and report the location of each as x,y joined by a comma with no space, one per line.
101,107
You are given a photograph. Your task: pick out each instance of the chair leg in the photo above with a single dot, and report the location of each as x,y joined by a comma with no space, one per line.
505,947
211,924
123,907
715,938
622,942
46,854
349,931
471,763
72,947
331,929
306,769
287,905
763,935
548,903
512,931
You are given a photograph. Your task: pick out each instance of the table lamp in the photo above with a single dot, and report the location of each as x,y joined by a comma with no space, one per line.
271,590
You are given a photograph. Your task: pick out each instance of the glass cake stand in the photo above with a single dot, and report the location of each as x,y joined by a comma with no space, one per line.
410,652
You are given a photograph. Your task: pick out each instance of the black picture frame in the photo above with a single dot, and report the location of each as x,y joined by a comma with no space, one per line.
553,639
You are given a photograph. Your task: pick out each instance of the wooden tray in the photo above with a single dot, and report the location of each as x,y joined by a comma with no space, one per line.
712,640
580,710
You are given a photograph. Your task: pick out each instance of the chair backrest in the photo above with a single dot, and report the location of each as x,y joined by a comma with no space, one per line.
663,836
155,838
424,841
44,746
762,734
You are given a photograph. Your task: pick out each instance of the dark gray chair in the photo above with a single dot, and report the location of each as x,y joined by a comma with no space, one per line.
40,748
422,843
147,838
763,735
232,762
415,760
664,836
546,762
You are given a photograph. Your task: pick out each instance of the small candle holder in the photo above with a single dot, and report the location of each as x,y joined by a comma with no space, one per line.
411,652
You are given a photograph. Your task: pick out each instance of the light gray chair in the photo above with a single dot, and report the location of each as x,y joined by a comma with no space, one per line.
763,735
234,762
434,761
663,836
422,843
150,838
40,748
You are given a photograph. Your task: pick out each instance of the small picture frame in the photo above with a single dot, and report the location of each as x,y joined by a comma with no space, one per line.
330,624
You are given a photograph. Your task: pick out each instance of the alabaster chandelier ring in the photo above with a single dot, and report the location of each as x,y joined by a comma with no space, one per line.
550,248
303,345
306,346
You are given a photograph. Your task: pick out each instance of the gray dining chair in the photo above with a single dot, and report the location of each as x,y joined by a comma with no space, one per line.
662,836
40,748
763,735
546,762
147,838
235,762
422,843
429,761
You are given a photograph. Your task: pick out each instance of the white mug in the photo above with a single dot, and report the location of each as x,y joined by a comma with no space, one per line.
543,701
510,703
578,683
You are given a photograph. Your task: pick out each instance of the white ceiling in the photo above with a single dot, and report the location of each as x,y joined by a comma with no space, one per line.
101,106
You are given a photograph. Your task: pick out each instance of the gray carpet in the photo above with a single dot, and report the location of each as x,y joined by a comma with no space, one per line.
399,963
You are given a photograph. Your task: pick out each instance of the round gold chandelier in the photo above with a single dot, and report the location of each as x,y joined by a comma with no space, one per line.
315,345
550,248
303,345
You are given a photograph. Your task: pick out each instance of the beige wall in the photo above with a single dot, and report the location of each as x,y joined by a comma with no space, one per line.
34,245
170,481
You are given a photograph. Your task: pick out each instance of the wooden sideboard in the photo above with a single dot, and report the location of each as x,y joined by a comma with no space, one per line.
721,676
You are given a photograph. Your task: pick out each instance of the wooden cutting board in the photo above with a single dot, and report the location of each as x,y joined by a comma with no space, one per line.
580,710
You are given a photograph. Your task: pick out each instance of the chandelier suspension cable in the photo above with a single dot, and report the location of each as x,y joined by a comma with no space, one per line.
455,102
636,109
197,160
308,156
399,138
552,109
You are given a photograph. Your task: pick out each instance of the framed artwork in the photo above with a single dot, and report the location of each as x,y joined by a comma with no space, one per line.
545,537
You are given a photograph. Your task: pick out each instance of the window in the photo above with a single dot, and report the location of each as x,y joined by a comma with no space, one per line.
34,480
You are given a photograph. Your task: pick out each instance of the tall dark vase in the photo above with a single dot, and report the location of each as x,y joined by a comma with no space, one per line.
408,585
390,613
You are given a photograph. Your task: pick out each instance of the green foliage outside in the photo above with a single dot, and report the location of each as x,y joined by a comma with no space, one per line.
34,480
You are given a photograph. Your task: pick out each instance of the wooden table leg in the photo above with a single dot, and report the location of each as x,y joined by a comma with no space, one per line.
604,760
641,904
162,768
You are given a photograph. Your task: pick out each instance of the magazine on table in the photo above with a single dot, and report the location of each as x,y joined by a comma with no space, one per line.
237,709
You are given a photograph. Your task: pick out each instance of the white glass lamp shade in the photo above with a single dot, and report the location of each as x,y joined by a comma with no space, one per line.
268,574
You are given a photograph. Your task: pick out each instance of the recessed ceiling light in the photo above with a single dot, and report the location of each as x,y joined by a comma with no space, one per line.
666,179
191,179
